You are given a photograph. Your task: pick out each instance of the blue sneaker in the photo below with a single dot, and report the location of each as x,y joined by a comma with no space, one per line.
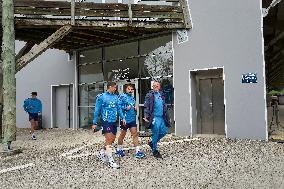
119,153
139,155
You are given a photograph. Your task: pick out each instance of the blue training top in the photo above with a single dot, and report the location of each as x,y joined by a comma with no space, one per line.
124,101
107,105
32,105
158,105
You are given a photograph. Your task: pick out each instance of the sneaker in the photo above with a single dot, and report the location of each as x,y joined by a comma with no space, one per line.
139,155
112,163
119,153
157,154
101,156
33,137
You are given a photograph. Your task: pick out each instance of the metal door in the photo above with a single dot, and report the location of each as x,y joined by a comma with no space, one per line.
212,111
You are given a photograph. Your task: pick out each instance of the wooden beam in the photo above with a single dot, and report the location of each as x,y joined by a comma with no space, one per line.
90,24
39,49
186,15
28,46
274,41
72,12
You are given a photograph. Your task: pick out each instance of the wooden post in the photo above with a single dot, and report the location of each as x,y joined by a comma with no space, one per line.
8,66
72,12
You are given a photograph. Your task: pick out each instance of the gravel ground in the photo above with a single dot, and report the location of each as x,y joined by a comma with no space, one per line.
193,163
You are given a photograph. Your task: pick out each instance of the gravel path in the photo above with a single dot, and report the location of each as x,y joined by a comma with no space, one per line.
193,163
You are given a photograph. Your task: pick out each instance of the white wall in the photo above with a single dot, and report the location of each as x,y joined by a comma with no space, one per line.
52,67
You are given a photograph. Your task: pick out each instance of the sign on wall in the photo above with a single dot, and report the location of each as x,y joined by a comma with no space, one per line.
249,78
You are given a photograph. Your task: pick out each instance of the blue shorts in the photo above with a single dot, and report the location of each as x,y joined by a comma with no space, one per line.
33,116
109,127
128,125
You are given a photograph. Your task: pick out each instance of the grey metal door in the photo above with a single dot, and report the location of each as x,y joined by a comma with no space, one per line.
212,111
63,107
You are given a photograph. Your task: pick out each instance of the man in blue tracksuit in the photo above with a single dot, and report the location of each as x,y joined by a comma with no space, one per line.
107,106
155,116
33,107
127,104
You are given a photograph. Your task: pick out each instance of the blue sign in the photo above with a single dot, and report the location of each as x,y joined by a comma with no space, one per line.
249,78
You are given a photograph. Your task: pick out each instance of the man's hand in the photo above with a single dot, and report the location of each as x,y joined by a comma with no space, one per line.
128,107
124,122
94,127
146,120
136,108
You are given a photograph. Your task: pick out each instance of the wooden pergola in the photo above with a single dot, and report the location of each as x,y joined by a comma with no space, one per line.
72,25
273,27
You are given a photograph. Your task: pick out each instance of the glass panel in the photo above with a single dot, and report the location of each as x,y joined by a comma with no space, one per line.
149,45
83,95
141,121
88,93
121,70
158,64
144,87
94,90
90,56
167,88
91,73
86,117
122,50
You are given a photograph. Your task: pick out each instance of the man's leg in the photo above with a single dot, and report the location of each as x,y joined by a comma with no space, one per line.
155,135
134,134
163,130
33,127
110,134
119,151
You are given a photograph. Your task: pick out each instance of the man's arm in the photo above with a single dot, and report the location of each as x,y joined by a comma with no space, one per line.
26,104
99,102
147,106
122,102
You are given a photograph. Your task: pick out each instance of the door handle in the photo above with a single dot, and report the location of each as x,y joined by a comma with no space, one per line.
211,104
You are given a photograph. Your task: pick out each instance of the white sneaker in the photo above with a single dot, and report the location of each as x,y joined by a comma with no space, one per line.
101,155
33,137
113,165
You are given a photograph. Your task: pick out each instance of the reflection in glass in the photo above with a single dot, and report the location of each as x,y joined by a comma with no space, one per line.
148,45
90,56
91,73
121,70
88,93
159,62
121,50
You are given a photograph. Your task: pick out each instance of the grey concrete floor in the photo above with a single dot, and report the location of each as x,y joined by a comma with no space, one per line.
66,159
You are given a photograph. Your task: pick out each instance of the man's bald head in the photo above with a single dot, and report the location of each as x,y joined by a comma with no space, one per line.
156,86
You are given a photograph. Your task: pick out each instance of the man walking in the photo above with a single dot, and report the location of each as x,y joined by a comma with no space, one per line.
155,116
127,104
107,106
33,107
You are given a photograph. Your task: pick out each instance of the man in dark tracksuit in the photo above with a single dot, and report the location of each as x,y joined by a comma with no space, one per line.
155,116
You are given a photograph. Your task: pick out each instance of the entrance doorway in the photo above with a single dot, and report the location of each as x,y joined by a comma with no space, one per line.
62,106
210,108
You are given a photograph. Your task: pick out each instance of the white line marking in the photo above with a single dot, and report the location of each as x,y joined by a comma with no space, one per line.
17,167
76,150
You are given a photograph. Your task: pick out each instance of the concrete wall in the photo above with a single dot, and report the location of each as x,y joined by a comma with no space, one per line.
226,33
50,68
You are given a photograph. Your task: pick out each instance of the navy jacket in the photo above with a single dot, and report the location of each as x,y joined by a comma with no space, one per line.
149,109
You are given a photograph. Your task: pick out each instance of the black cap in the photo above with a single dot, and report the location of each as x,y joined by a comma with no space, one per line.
34,93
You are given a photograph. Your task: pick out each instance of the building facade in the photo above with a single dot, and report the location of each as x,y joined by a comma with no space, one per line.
200,70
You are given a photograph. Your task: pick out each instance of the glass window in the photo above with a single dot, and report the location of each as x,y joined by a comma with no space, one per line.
91,73
149,45
121,50
160,63
121,70
88,93
83,95
90,56
144,88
